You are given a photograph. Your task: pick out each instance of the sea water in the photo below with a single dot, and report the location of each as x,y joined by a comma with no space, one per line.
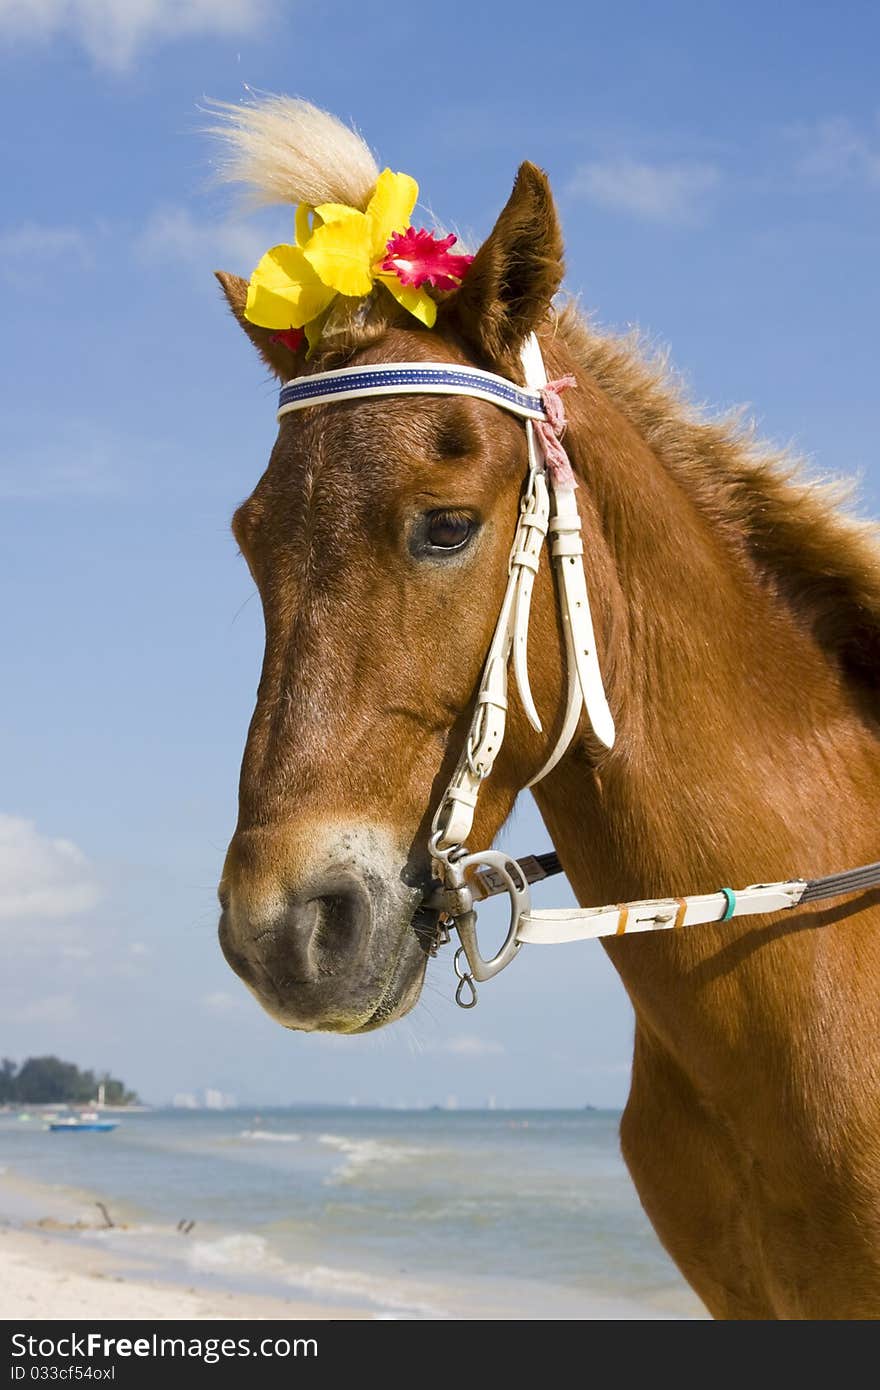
496,1214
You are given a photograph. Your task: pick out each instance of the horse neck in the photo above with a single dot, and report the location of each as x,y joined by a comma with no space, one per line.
741,754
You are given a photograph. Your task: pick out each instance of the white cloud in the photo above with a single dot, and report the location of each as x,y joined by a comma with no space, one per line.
40,876
89,474
170,236
670,192
112,32
36,239
86,458
173,235
76,950
467,1045
837,150
57,1009
470,1046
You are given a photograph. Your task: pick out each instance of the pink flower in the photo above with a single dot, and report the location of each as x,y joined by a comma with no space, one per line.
292,338
418,258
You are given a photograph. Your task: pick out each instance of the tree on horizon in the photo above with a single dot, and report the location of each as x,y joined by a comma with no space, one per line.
49,1080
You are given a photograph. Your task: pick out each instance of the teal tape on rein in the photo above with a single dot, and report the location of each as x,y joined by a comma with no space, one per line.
731,903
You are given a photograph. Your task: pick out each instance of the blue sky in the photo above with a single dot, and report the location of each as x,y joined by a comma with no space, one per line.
717,169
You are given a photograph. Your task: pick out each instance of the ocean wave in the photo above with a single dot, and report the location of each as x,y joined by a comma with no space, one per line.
243,1253
239,1252
271,1136
123,1230
361,1154
393,1299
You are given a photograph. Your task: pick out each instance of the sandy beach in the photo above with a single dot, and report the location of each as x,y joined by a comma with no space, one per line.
54,1265
42,1278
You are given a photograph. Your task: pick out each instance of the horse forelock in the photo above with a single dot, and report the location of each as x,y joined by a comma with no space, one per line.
285,150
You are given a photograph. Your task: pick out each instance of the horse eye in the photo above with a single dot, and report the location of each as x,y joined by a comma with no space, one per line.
448,530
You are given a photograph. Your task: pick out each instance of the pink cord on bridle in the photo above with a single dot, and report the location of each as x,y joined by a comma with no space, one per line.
551,430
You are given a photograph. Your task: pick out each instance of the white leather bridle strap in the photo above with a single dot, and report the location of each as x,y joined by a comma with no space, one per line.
584,678
454,817
409,378
455,814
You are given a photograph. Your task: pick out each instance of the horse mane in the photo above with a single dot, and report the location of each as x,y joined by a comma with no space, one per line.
823,562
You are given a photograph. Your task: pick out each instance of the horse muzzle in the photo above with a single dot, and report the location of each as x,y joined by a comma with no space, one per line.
333,949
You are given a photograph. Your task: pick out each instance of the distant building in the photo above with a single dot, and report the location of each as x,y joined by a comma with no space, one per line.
185,1100
218,1100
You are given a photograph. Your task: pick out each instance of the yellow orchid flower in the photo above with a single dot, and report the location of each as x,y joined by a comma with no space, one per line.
390,209
284,291
417,302
338,250
342,245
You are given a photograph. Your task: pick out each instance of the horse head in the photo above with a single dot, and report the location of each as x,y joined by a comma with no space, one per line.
378,539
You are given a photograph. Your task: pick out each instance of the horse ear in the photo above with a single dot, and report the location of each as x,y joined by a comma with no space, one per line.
283,361
515,274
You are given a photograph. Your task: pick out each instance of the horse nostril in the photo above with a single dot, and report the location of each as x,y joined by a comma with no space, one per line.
302,938
339,923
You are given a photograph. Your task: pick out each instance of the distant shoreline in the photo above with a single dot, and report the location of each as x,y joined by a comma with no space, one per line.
49,1107
301,1107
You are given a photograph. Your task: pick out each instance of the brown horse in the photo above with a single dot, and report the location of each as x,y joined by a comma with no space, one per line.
738,619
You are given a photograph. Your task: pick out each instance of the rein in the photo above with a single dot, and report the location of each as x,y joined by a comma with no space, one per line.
548,506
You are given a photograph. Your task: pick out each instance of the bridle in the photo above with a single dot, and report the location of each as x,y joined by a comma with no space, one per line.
548,506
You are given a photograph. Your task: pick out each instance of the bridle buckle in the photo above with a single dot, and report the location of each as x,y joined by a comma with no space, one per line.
465,923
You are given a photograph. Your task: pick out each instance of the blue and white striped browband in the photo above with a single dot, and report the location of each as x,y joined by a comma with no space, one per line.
410,378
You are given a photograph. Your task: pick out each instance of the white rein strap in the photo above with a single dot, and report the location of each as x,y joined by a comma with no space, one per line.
553,926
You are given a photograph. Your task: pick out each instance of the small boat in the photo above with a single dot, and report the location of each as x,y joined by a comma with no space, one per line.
96,1126
90,1120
